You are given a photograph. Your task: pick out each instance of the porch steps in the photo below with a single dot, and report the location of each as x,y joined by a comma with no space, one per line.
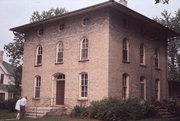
164,113
37,112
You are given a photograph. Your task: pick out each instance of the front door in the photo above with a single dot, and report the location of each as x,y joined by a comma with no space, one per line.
60,92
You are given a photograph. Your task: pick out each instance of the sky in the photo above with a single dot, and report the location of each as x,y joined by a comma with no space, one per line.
14,13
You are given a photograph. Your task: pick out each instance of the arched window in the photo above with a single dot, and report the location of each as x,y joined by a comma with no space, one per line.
83,85
39,55
157,89
84,49
37,87
125,86
156,58
85,21
125,50
142,54
142,88
59,52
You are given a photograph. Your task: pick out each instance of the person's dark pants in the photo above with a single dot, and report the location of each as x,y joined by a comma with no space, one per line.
22,111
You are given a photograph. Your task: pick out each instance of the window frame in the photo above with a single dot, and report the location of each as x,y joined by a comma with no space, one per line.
125,86
39,52
143,81
142,55
157,88
125,51
37,87
156,59
84,49
2,79
83,82
60,52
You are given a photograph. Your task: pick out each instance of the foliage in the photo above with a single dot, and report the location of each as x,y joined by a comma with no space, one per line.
113,109
79,111
172,22
8,104
163,1
46,14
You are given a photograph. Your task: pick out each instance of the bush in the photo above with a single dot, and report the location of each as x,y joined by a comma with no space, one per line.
8,104
113,109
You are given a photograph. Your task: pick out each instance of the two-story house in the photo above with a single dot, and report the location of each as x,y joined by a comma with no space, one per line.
105,50
6,79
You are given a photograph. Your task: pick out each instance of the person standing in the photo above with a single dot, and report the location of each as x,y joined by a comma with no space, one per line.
17,107
23,103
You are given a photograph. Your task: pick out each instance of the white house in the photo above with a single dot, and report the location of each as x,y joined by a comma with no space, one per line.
6,78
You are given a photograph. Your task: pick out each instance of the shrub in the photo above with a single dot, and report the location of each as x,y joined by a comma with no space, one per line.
8,104
79,111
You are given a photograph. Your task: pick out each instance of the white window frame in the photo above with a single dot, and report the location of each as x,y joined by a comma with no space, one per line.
80,86
60,49
125,47
157,57
39,52
84,46
125,79
37,84
157,89
143,81
142,54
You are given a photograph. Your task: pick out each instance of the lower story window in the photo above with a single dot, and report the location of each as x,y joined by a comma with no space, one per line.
84,85
37,87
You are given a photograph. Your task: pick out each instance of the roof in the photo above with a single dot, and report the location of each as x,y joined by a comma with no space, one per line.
111,4
8,67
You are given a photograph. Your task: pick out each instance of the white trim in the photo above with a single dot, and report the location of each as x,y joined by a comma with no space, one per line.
80,97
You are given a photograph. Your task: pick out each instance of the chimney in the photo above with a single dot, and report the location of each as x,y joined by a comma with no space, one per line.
1,56
123,2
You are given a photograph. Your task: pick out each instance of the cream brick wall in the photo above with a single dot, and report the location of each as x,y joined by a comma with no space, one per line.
117,68
96,67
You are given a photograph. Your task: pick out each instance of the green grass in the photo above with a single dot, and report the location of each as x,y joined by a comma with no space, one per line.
5,114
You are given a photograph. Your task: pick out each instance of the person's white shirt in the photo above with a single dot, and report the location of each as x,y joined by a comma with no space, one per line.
23,101
17,107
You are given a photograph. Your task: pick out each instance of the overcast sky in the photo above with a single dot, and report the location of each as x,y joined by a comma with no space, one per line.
14,13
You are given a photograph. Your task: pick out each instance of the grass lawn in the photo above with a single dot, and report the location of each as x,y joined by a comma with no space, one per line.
5,114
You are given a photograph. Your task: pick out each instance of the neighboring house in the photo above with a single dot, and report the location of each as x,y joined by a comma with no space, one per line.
106,50
6,78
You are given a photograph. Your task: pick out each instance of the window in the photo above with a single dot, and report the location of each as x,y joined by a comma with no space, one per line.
59,52
2,96
85,21
37,87
2,79
142,88
156,58
157,89
84,49
125,23
142,54
40,32
61,27
83,85
39,55
125,50
125,87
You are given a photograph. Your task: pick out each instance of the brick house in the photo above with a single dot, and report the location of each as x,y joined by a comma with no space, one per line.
105,50
6,78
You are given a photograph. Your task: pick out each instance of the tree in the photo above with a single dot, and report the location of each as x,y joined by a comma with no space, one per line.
172,22
15,49
163,1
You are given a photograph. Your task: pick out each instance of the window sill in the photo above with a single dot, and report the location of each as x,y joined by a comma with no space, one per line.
38,65
83,60
83,99
36,99
142,65
58,63
158,69
127,62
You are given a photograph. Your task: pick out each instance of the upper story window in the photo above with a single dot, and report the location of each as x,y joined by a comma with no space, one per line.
125,86
61,27
39,52
157,89
84,49
59,52
125,23
37,87
2,79
142,54
156,59
83,85
142,88
125,50
40,32
85,21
